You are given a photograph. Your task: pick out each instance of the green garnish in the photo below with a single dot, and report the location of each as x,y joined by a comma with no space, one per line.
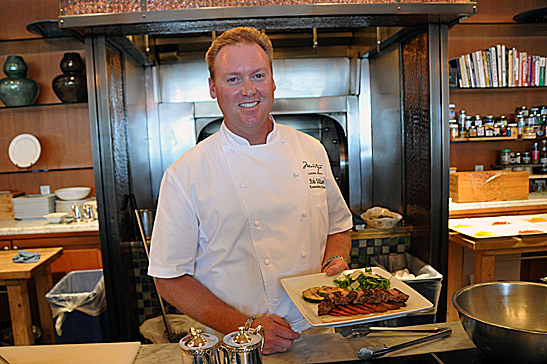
362,279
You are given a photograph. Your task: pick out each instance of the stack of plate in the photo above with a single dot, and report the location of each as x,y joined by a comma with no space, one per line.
66,205
33,206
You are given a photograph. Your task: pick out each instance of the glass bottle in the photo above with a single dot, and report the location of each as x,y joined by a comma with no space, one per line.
543,153
535,153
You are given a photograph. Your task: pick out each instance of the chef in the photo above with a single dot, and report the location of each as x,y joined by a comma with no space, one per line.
252,204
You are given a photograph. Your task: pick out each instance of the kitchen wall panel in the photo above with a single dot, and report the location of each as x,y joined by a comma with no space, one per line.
62,130
15,14
30,182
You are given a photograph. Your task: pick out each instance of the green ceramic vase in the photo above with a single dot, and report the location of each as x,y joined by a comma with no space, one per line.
16,89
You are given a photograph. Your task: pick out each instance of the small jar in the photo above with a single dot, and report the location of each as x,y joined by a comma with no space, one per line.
454,130
512,158
526,158
489,130
489,120
472,132
452,111
503,120
497,129
463,132
512,130
504,156
480,131
517,158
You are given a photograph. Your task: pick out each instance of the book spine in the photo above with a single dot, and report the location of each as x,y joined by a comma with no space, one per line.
498,53
486,69
536,69
504,65
542,71
494,58
517,67
470,70
510,68
524,69
464,73
479,65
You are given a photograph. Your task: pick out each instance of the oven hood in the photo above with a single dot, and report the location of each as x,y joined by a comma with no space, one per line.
323,15
153,37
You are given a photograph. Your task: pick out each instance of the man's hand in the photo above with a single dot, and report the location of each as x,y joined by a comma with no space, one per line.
335,267
278,335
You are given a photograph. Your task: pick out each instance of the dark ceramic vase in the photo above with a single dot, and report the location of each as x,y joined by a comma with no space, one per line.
71,86
16,89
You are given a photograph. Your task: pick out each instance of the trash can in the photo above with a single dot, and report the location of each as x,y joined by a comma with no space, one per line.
427,282
78,307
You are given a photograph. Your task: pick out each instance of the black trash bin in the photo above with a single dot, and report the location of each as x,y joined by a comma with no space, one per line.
428,286
78,306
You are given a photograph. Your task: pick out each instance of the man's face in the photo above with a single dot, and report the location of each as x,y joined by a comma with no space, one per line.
244,88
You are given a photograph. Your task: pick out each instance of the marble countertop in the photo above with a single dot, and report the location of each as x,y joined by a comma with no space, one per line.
535,198
43,226
328,347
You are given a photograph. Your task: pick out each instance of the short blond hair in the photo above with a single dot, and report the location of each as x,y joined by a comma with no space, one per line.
239,35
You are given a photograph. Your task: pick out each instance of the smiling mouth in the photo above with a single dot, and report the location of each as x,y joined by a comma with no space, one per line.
249,104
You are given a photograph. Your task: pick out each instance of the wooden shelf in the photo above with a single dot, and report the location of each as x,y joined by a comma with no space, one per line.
500,89
42,105
485,139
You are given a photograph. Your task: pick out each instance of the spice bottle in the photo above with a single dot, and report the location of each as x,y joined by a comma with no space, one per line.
504,156
535,153
543,154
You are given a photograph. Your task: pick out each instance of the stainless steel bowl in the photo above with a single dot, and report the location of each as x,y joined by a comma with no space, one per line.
506,320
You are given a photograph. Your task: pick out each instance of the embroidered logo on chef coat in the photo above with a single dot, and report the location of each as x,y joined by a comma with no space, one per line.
316,178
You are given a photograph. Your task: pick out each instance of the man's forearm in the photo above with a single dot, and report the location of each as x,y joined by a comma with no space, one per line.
338,245
196,301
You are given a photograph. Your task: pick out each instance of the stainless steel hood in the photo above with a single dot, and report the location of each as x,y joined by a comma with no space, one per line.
324,15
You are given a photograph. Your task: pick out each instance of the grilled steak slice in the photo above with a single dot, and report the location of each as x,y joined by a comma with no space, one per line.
325,306
343,299
396,296
366,296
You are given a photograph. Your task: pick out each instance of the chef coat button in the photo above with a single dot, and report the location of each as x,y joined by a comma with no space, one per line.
267,261
276,300
257,222
283,141
243,185
304,213
295,174
231,151
304,254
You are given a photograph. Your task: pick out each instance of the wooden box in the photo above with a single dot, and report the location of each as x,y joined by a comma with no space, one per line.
6,204
489,186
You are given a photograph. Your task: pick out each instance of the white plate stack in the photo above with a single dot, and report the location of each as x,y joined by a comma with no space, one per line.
66,205
33,206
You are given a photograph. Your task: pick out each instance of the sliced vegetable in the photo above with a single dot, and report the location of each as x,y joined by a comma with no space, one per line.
325,291
311,295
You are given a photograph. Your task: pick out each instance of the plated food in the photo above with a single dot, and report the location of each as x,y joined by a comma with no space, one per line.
360,292
337,297
502,226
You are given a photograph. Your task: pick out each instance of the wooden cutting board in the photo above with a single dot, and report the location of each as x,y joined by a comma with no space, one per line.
103,353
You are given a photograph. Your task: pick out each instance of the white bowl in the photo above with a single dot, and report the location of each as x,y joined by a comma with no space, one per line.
56,217
381,218
72,193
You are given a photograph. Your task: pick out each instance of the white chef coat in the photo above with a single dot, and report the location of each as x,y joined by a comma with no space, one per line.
239,217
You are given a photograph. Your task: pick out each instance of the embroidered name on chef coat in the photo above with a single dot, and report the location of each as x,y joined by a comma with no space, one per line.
316,178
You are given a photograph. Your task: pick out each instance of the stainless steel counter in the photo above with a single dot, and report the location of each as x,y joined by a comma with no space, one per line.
328,347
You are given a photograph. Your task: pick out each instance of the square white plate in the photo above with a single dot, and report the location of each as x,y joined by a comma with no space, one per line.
295,285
